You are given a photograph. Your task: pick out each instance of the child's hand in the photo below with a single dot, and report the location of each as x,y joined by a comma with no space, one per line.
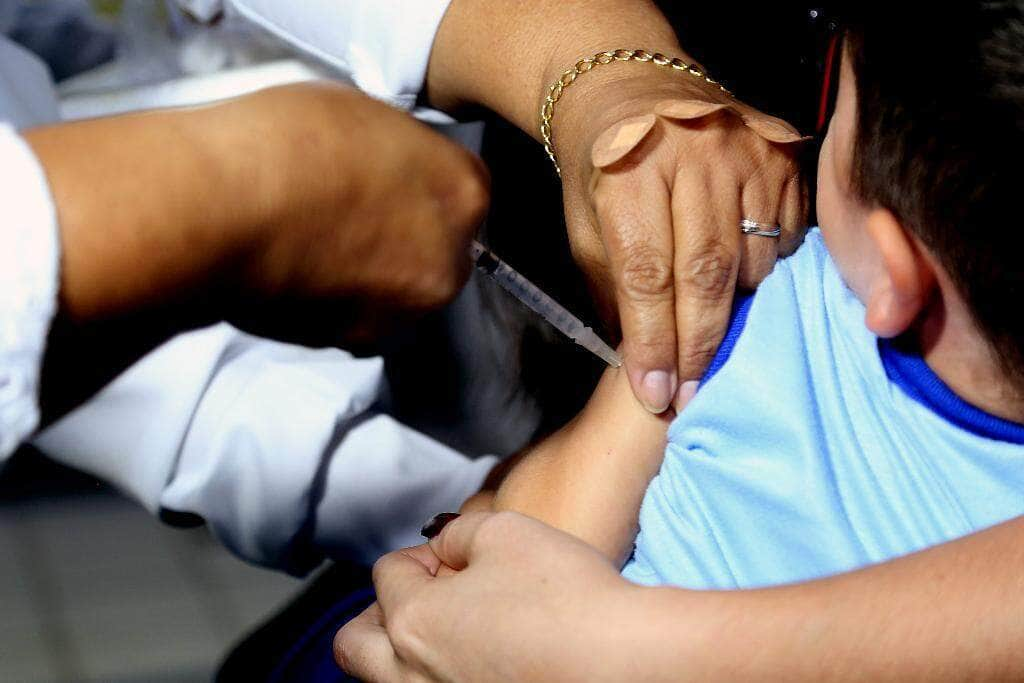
481,501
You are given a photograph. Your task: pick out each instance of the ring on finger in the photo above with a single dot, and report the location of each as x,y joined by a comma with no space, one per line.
751,227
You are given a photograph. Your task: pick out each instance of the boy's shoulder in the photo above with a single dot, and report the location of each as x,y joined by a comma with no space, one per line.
802,455
798,341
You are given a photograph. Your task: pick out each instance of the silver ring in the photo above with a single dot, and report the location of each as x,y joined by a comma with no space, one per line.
752,227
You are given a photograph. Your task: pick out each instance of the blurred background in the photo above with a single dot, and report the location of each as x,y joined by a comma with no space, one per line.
92,588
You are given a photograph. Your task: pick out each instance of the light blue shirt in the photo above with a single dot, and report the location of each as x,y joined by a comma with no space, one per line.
816,449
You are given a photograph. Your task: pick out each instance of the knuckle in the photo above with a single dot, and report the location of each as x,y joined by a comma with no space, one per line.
645,273
711,274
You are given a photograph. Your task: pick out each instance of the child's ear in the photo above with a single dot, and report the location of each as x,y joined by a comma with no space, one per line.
904,280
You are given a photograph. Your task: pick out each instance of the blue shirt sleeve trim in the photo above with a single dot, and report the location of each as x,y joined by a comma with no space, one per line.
908,370
740,309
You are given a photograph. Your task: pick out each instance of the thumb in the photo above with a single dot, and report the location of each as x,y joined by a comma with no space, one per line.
458,543
398,576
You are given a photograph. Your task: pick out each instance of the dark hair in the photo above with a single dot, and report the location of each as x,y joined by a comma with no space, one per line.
940,143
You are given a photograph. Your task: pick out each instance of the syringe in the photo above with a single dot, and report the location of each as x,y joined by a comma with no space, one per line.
546,307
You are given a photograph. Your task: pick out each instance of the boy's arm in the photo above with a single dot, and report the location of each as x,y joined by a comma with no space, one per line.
590,477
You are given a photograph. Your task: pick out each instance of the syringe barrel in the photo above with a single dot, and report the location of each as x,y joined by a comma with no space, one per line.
527,292
542,304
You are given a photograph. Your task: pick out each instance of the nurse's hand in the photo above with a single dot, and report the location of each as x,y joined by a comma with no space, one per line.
529,604
657,230
656,182
534,604
310,205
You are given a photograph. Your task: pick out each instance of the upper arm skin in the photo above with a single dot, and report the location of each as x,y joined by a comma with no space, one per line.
590,477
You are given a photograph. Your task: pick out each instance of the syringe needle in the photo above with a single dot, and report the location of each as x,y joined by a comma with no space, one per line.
549,309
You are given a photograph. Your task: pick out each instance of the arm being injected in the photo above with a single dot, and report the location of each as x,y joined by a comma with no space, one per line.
542,304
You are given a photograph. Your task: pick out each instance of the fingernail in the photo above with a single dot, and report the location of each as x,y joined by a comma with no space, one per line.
656,391
437,523
687,390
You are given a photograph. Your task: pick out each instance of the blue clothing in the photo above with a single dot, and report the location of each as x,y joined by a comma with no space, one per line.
311,657
815,449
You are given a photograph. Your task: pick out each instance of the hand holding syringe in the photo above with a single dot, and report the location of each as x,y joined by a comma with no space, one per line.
549,309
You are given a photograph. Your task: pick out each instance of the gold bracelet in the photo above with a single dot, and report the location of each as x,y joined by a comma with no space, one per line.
547,110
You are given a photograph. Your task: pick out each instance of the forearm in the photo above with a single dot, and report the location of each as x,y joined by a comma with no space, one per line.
948,613
158,214
144,203
267,211
503,56
589,479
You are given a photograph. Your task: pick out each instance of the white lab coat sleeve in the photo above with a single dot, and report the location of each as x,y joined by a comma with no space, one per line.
382,45
29,256
278,448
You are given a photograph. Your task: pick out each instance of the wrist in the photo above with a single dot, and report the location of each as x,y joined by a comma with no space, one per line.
563,59
610,92
682,634
504,56
650,637
778,633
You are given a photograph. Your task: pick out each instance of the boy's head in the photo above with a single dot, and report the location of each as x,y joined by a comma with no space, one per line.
920,182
